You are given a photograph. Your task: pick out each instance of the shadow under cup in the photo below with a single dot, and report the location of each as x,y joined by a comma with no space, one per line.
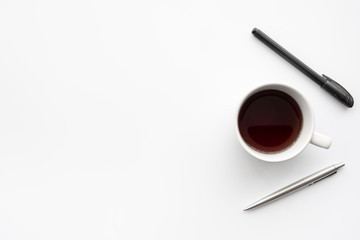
274,123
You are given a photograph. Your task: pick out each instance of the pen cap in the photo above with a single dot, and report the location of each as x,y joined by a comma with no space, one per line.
338,91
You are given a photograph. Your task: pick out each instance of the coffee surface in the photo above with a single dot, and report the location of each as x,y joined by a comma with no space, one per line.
270,121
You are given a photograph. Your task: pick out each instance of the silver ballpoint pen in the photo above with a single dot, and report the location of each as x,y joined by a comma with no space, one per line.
304,182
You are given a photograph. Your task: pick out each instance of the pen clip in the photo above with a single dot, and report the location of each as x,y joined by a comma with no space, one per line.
332,173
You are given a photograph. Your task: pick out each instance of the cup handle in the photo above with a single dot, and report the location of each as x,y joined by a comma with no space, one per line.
321,140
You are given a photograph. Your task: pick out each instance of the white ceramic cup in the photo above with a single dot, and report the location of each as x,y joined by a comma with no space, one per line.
307,134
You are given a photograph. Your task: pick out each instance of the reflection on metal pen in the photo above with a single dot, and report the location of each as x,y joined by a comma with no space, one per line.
307,181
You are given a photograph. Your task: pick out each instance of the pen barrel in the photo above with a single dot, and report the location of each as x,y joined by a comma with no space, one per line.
309,180
306,181
288,56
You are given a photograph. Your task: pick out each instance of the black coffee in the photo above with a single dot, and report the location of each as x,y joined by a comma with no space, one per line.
270,121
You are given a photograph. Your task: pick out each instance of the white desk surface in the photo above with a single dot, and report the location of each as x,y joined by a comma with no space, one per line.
117,119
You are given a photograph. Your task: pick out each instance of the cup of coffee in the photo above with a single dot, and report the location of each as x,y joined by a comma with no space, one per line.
275,123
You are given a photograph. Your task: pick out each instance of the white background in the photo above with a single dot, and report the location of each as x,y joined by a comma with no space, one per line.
117,119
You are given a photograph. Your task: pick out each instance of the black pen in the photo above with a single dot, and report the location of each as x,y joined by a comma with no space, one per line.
328,84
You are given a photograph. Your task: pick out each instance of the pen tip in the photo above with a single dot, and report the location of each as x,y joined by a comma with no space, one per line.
250,207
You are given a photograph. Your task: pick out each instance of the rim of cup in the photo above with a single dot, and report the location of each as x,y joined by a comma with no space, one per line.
306,132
